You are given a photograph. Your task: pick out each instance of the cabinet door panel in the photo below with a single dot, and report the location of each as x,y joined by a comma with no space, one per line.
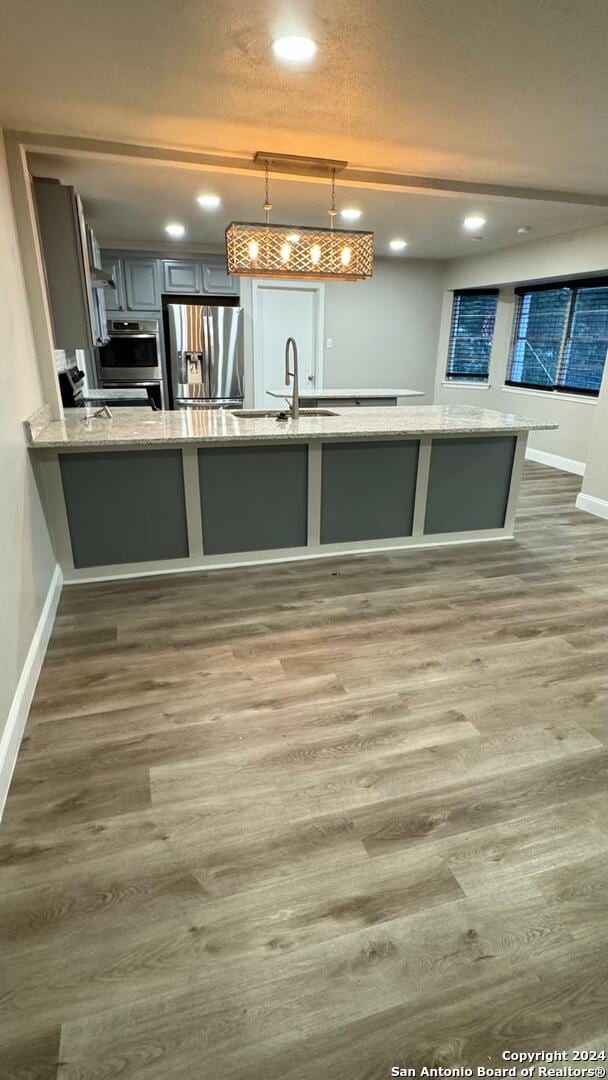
125,506
254,498
114,298
180,276
216,280
469,482
141,284
368,490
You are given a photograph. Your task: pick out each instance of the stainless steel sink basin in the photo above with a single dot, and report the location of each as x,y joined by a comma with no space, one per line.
260,414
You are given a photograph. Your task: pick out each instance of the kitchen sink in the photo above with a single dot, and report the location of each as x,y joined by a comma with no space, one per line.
273,414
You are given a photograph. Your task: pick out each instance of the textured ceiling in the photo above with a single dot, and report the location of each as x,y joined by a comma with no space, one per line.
505,91
131,203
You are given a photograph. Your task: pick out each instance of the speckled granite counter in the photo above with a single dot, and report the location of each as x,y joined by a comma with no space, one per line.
141,427
387,395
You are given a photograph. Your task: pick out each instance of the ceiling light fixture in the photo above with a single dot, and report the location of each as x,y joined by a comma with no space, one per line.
475,221
295,50
350,214
398,245
524,228
262,249
209,202
175,231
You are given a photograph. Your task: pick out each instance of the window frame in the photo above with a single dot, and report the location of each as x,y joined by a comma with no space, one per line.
480,380
574,286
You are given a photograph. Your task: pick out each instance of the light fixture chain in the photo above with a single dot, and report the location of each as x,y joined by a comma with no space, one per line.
332,210
267,203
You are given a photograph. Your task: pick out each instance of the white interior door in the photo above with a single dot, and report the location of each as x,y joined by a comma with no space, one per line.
283,309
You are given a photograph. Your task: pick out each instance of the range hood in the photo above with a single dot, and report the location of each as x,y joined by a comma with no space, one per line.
99,278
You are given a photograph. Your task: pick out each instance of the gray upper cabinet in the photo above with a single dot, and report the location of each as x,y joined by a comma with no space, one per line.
63,241
217,281
115,298
180,276
141,284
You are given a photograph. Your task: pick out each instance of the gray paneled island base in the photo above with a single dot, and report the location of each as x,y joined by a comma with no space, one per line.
145,493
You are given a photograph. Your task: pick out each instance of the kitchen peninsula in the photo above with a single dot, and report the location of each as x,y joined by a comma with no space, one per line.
144,492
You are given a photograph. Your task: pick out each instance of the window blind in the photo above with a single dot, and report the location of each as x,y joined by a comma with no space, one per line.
587,344
471,334
560,337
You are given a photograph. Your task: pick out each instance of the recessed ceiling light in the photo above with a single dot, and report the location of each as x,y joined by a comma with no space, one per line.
475,221
398,245
296,50
209,202
350,214
524,228
175,231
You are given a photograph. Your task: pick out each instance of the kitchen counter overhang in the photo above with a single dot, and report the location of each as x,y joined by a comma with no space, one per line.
146,492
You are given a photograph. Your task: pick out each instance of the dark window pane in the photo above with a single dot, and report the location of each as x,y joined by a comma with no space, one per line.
539,330
585,351
472,331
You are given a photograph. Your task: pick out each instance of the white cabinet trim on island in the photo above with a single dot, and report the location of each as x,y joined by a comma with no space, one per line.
362,462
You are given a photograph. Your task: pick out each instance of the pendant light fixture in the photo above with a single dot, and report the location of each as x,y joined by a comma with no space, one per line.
262,249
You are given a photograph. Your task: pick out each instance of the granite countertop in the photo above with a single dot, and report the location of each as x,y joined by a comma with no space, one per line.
340,392
141,427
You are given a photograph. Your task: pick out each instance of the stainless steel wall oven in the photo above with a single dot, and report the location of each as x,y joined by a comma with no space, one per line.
132,354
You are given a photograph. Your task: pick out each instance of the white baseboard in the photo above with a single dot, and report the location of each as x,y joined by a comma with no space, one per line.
599,507
556,461
22,699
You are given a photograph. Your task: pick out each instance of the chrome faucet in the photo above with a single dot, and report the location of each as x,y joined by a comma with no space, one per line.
295,401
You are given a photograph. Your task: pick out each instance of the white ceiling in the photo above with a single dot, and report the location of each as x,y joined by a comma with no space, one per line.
503,91
130,203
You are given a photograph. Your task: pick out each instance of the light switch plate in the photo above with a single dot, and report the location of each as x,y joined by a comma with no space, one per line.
330,343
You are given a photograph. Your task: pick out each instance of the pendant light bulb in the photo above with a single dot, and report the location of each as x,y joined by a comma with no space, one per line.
345,256
285,252
253,250
315,254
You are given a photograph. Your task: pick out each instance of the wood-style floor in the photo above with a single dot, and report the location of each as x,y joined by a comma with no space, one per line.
314,820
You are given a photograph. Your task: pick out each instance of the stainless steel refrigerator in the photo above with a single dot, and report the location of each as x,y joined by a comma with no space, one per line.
206,355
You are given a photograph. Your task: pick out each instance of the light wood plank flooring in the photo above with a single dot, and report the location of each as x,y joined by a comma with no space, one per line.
315,820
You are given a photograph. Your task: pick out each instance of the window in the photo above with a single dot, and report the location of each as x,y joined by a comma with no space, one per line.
471,334
560,337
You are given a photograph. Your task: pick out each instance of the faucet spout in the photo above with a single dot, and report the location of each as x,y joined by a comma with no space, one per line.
290,344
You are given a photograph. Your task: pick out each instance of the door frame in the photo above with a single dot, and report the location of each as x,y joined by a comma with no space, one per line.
258,285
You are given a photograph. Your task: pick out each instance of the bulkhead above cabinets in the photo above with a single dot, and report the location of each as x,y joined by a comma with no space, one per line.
140,279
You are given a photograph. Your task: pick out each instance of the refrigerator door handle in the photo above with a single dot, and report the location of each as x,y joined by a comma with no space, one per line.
207,337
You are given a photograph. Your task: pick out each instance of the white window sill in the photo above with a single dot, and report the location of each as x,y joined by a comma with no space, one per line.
463,385
583,399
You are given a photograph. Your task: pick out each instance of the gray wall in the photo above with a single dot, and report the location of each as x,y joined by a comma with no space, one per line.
595,482
570,255
27,562
385,329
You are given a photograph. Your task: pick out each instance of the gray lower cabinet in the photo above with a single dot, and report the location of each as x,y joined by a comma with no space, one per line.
368,490
125,506
469,484
254,498
180,276
141,284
